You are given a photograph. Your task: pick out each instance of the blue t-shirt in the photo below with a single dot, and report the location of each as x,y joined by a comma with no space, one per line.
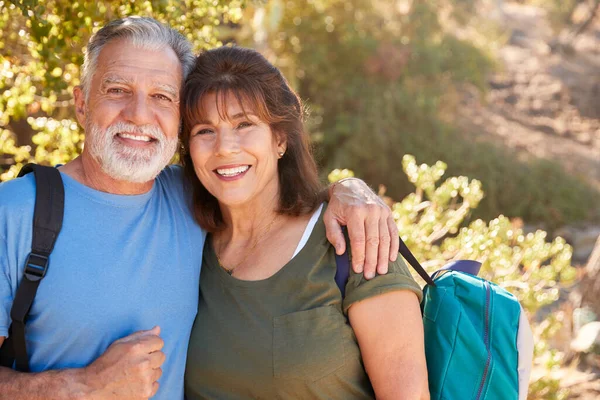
120,264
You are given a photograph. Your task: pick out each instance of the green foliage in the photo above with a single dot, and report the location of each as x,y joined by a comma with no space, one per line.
42,45
381,79
432,223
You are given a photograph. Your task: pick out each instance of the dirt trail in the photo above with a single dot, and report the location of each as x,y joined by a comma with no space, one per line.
544,102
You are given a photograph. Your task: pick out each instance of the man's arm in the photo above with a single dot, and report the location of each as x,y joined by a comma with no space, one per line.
371,227
50,385
129,369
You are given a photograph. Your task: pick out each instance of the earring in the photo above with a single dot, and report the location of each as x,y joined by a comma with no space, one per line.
281,153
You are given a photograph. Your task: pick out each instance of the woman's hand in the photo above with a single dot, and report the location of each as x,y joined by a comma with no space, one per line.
372,230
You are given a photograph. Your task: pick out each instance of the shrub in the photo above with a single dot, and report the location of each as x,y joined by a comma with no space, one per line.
383,79
431,221
42,46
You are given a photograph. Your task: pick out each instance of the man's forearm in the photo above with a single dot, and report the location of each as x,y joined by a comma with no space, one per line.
67,384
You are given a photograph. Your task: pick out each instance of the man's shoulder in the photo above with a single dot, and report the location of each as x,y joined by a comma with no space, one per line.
18,192
172,181
172,175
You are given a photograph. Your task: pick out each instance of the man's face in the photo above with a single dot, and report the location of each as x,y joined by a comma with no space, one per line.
131,113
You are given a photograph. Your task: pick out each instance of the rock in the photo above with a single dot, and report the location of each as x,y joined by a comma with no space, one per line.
512,99
588,338
581,317
548,129
500,83
582,238
583,242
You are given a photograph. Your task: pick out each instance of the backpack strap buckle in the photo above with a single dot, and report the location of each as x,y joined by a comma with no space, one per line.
36,266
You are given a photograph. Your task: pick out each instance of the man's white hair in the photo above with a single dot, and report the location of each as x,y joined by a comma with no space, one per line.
130,164
145,33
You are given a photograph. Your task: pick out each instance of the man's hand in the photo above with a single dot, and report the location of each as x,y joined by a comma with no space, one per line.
129,368
372,230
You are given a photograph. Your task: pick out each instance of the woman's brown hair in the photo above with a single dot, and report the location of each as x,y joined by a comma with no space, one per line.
256,84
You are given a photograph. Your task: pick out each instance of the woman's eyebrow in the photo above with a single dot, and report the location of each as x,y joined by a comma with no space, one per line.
243,114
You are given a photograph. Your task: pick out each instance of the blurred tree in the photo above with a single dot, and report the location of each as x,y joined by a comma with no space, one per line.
381,78
571,17
385,78
42,45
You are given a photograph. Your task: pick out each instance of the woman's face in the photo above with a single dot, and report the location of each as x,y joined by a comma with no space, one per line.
236,158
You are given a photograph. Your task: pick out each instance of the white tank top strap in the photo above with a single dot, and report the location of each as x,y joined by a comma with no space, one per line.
308,230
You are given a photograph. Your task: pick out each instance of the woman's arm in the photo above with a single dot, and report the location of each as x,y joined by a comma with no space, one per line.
389,330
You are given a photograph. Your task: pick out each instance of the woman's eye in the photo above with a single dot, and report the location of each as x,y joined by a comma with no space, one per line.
203,131
244,124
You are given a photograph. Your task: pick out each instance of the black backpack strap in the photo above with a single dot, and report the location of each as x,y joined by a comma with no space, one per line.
47,222
343,267
408,256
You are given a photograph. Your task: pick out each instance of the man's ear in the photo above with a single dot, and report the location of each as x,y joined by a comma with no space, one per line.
79,97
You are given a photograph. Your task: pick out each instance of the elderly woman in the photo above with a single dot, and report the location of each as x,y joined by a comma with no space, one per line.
272,322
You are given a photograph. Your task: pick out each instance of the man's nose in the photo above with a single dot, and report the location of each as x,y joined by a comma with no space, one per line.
138,111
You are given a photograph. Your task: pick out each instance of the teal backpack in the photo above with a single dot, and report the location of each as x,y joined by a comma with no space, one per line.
478,343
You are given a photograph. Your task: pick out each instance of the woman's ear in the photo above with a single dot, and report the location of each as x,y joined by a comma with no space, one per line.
281,145
281,141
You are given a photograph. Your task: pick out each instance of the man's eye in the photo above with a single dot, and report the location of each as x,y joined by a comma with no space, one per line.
162,97
116,90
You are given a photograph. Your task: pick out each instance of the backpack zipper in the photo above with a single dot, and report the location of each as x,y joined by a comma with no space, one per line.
486,338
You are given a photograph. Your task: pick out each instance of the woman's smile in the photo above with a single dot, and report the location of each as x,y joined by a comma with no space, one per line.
232,172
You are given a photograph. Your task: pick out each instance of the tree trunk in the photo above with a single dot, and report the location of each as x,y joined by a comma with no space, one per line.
590,285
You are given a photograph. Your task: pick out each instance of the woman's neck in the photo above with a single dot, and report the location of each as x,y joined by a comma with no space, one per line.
246,222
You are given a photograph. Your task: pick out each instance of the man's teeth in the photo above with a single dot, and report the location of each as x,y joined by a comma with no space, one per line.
232,171
135,137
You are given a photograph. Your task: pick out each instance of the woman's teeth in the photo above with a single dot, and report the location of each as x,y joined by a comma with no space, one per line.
232,171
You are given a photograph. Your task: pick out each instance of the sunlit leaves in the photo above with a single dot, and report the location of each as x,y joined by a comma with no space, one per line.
432,222
338,174
42,46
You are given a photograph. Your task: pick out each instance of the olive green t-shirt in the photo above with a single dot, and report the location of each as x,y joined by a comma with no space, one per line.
284,337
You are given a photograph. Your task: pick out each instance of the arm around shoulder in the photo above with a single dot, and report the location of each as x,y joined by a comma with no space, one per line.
389,330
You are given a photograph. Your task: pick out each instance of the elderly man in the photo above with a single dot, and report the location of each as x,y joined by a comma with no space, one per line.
117,305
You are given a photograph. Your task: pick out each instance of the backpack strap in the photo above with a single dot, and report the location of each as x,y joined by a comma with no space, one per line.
467,266
342,272
47,222
408,256
343,266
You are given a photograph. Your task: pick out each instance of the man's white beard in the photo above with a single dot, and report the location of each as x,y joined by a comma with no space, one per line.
125,163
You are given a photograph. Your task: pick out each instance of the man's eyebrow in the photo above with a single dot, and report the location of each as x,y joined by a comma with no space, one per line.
170,89
119,80
113,79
